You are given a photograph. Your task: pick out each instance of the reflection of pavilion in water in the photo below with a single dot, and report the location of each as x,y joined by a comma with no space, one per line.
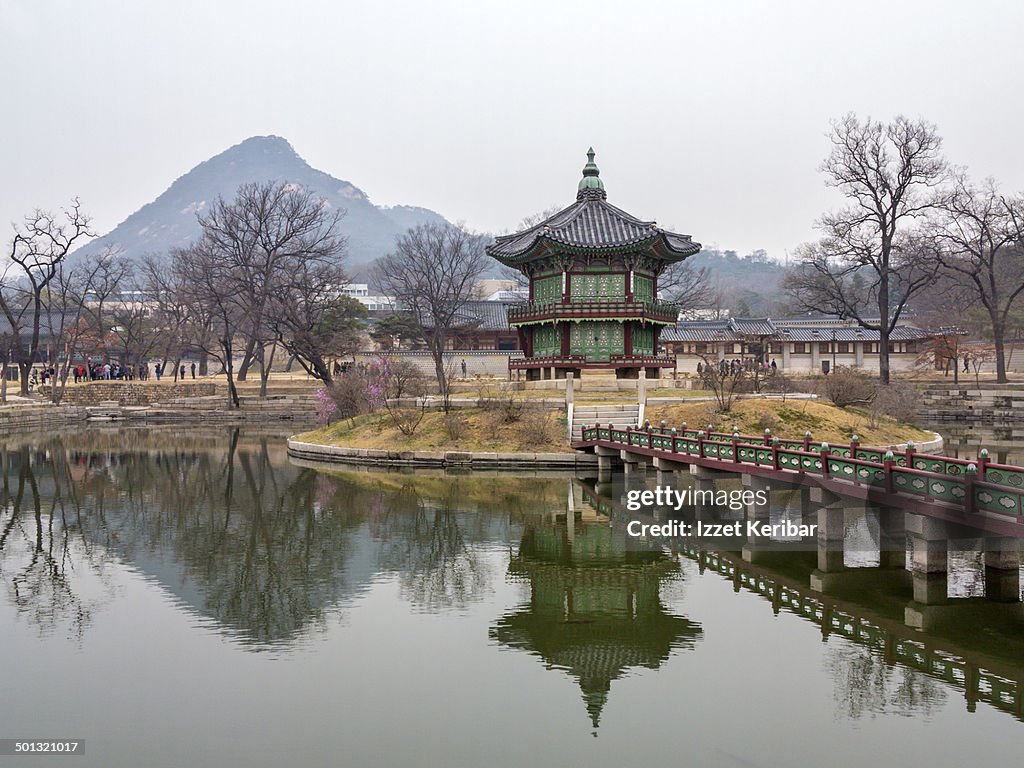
595,610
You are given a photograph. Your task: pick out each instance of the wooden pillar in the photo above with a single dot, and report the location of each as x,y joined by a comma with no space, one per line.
627,335
565,339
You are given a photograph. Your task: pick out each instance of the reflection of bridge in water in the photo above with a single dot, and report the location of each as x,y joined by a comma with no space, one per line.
940,640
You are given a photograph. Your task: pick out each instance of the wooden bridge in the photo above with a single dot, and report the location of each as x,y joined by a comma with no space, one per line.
980,494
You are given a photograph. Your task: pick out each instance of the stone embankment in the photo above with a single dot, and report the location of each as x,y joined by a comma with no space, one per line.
151,402
446,459
985,403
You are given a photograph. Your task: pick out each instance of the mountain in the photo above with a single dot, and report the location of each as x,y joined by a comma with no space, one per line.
170,220
748,286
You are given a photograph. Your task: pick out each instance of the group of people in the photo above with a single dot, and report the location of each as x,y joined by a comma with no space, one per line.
160,370
106,372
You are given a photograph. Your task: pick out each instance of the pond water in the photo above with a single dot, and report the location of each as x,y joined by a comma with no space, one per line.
198,599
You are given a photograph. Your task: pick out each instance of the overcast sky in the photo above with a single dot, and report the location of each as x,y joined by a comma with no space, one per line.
709,117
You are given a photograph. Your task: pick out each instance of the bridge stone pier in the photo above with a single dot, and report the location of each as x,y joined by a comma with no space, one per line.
1002,569
831,534
892,538
929,558
668,468
634,464
606,458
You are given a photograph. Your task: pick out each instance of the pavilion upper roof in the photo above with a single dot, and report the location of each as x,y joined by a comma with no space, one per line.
592,223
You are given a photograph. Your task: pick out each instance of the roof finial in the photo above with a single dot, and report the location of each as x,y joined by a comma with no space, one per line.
591,185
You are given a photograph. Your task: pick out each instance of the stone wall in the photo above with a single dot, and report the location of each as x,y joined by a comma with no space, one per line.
15,418
968,401
137,393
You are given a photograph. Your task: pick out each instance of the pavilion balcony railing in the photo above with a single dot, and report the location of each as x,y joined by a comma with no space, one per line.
582,361
558,361
539,311
660,361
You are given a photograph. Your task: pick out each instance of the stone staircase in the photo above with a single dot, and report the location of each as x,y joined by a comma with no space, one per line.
588,414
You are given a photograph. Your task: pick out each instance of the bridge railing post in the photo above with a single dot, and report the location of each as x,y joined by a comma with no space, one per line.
970,476
767,436
807,441
887,465
854,445
775,453
649,442
825,452
911,450
700,442
983,462
735,449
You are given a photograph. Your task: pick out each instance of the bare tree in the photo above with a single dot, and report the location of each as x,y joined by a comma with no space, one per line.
174,318
67,323
204,278
433,273
686,286
981,243
869,264
313,321
112,273
37,251
266,235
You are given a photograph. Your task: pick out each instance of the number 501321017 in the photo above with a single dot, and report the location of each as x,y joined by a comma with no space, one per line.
42,746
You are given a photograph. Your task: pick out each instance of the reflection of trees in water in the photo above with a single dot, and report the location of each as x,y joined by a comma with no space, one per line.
237,533
232,532
866,685
38,551
427,543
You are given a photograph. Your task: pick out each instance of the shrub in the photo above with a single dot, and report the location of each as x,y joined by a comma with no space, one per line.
504,399
897,401
538,426
767,420
350,395
847,386
456,425
326,408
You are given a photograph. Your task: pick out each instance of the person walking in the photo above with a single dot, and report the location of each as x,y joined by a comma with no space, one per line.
967,360
193,367
463,367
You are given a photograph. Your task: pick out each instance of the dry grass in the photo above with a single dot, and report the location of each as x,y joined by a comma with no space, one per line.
790,419
482,431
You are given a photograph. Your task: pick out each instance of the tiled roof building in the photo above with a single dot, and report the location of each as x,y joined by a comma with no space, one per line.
799,345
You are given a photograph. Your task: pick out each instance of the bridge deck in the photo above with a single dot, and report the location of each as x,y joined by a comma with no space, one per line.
980,494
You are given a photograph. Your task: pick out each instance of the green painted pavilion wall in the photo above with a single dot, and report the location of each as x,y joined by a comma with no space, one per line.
596,339
597,287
